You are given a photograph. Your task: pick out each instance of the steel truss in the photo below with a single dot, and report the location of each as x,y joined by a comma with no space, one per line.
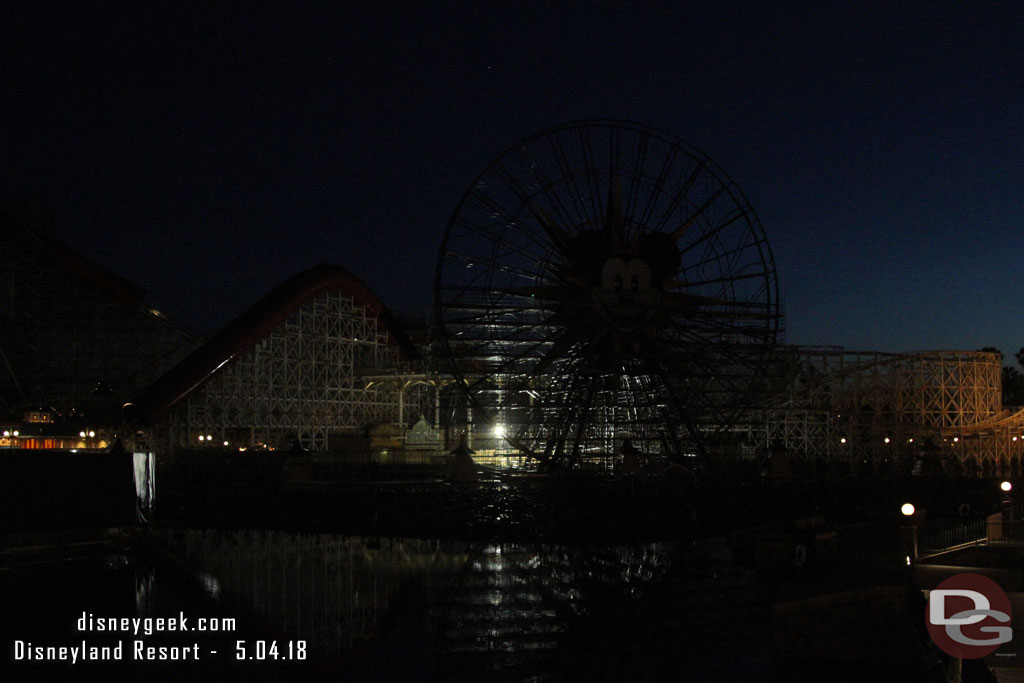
301,381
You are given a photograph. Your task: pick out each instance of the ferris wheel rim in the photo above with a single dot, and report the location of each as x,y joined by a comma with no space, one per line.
704,164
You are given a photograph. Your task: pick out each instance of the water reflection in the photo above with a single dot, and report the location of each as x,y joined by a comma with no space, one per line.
145,602
332,591
430,609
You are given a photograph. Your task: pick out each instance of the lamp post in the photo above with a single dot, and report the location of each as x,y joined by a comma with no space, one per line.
909,532
1006,500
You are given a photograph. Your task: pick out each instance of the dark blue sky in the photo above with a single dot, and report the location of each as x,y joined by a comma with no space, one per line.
210,154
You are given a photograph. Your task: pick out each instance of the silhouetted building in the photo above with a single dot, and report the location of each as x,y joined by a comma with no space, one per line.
75,339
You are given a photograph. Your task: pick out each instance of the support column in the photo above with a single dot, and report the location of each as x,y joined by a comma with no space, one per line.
437,407
401,405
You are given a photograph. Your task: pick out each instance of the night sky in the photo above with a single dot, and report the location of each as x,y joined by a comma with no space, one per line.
209,154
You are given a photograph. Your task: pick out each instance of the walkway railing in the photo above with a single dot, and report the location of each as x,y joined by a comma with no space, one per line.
1001,529
975,533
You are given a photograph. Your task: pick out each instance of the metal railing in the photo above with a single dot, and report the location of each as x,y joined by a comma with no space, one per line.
1001,529
975,533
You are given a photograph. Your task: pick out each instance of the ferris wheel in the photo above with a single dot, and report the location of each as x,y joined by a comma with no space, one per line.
603,283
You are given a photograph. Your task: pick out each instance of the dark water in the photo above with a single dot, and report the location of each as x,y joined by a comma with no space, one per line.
380,609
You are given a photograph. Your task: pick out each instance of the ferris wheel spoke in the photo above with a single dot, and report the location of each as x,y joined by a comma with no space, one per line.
583,420
559,239
590,167
518,270
639,165
708,315
706,237
558,416
678,233
567,173
484,267
712,256
678,414
572,189
535,168
657,187
711,319
499,299
615,223
711,346
533,350
693,319
679,196
558,350
684,298
495,319
493,207
538,318
534,293
698,397
729,278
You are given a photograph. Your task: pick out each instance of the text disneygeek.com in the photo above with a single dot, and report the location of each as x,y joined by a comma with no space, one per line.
137,649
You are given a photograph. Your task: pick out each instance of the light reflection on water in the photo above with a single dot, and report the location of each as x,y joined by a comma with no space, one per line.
454,611
330,590
381,609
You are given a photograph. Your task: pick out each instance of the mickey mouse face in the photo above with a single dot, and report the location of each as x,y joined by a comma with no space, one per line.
626,283
620,276
625,296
